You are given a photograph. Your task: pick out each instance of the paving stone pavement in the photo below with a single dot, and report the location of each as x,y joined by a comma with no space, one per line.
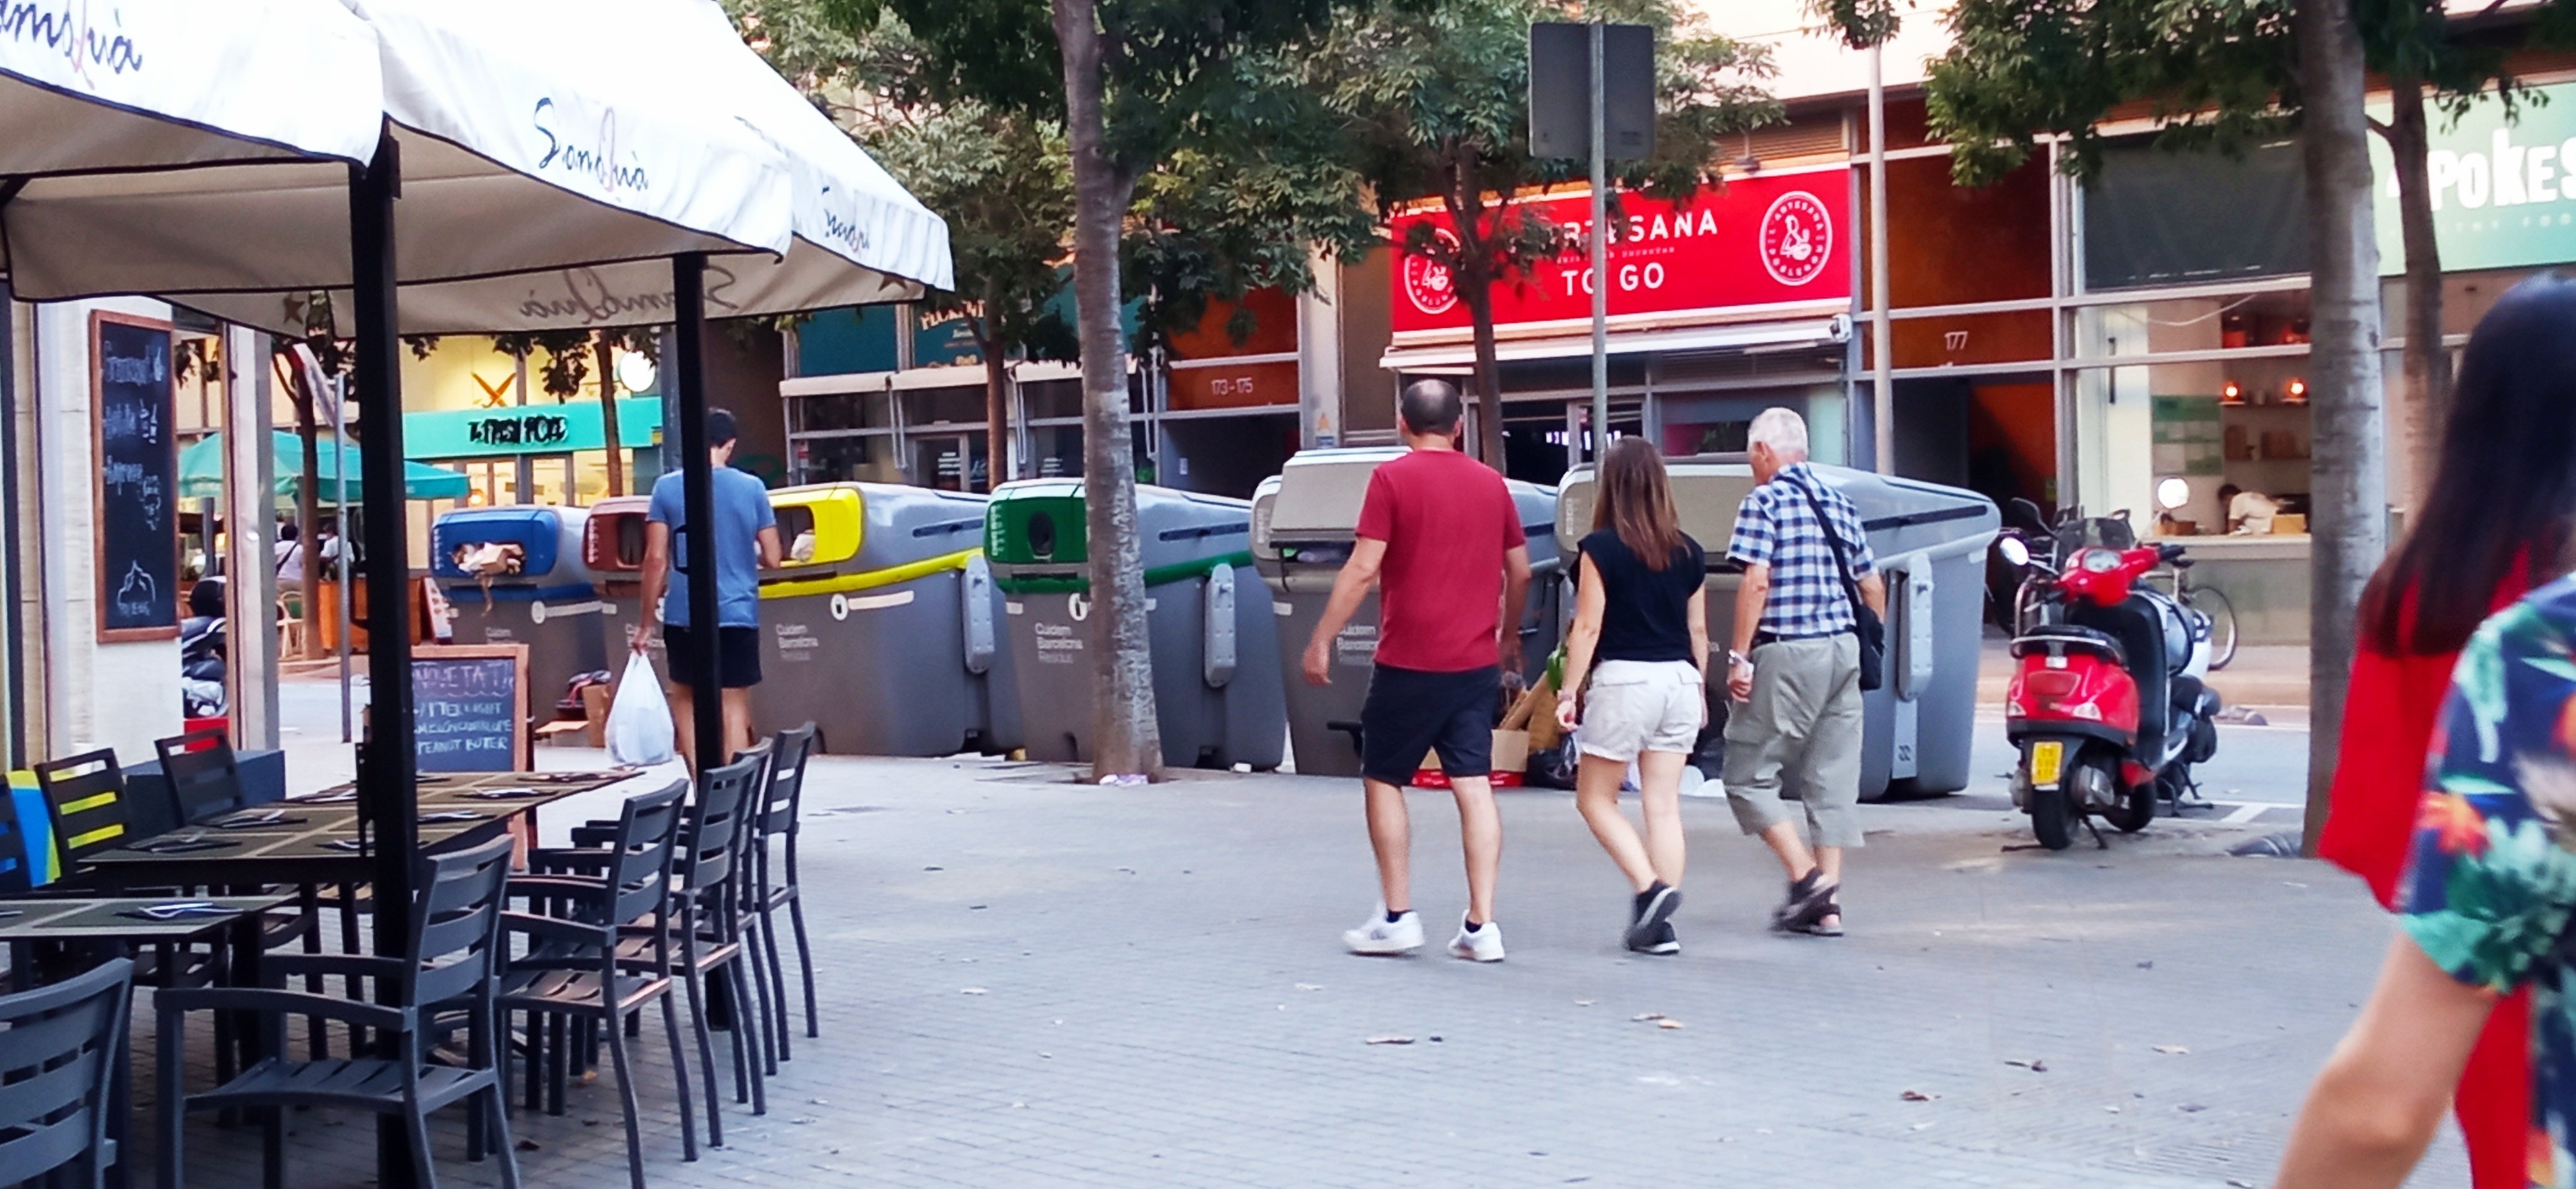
1027,981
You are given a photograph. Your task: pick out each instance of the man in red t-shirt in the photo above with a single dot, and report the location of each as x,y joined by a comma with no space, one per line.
1441,538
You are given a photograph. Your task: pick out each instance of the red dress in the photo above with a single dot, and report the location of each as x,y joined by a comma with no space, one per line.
2388,719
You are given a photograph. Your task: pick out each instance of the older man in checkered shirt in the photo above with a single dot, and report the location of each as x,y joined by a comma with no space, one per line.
1794,670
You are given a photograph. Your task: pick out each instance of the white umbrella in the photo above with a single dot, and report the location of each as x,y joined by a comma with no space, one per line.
510,163
95,98
859,238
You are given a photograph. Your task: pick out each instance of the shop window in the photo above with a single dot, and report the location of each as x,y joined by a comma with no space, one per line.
1046,399
2237,433
1957,245
841,410
847,340
943,406
1055,451
2222,322
2154,217
864,458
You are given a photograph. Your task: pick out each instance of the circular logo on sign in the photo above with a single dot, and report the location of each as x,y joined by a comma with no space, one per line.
1426,281
1797,237
1080,605
840,607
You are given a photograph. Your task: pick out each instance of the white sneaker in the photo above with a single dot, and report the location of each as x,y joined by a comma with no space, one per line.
1384,938
1483,945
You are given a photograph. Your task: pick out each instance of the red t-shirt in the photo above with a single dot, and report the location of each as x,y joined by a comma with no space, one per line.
1447,521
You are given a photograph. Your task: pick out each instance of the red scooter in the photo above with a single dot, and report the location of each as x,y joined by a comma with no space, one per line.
2108,704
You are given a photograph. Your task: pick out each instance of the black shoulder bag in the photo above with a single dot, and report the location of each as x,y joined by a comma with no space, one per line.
1872,632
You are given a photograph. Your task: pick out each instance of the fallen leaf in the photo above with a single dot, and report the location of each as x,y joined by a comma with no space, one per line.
1643,1016
528,1145
1918,1096
1669,1025
1919,1126
2147,965
1585,1002
970,990
2113,1109
2191,1108
2033,1066
1310,986
2173,1050
1390,1040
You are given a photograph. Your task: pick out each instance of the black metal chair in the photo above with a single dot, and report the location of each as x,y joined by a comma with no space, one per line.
204,775
60,1046
573,970
705,935
451,966
773,877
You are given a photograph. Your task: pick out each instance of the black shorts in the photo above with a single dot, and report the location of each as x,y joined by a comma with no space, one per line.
1410,712
737,656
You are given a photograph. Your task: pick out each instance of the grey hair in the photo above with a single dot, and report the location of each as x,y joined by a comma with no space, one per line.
1783,430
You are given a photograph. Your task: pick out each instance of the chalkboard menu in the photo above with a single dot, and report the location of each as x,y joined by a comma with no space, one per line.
138,506
470,707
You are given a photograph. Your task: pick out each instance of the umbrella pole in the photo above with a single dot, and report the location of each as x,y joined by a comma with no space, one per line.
340,521
386,798
697,504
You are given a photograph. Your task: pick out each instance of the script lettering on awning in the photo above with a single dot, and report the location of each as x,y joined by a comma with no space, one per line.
528,429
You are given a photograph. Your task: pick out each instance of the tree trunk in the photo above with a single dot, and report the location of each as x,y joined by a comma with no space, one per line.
2428,361
308,511
606,356
1126,738
997,405
1489,376
2349,480
1474,279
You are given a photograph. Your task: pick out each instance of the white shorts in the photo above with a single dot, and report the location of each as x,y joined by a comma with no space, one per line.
1639,706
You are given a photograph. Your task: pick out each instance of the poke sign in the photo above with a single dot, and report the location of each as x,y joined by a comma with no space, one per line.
1797,238
1427,283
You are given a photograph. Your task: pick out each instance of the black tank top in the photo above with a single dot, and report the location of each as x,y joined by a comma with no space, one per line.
1645,614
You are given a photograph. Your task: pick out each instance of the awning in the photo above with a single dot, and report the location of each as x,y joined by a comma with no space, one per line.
201,472
1753,337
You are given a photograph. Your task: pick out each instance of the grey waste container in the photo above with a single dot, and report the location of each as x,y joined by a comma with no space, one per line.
1304,520
1217,697
880,626
1930,542
612,544
549,602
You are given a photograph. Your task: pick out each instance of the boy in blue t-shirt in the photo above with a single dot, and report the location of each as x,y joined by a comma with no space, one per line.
745,541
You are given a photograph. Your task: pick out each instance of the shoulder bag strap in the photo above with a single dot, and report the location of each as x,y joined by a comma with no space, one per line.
1842,561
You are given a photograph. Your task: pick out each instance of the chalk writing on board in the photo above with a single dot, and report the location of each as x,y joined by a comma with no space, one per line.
465,714
137,465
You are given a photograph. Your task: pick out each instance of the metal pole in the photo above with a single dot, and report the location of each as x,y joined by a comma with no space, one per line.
1882,397
340,518
523,472
12,581
1600,259
387,800
697,505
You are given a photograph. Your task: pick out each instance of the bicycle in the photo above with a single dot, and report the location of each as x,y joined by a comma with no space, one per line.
2213,605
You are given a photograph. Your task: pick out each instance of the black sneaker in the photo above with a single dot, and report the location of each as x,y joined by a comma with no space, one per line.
1654,907
1658,940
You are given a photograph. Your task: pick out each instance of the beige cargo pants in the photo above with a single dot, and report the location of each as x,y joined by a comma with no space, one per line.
1801,732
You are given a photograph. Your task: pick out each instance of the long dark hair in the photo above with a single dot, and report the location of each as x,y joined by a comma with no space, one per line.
2504,494
1635,500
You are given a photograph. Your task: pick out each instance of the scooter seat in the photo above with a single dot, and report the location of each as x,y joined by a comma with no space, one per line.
2058,639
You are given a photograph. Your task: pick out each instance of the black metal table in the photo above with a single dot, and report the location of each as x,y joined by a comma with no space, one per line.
298,843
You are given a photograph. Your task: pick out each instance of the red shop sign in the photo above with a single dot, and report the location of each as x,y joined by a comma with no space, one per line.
1773,240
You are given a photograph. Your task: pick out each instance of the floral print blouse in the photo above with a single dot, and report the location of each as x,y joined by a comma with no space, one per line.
2493,880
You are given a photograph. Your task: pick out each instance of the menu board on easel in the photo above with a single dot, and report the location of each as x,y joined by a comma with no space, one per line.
131,390
470,707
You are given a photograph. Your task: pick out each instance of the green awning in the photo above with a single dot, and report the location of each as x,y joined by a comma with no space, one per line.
201,473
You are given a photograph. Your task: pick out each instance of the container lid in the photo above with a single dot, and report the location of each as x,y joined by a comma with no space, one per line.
1708,489
538,532
613,541
832,515
1037,522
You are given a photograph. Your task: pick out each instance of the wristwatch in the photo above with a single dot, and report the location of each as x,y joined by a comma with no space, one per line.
1734,658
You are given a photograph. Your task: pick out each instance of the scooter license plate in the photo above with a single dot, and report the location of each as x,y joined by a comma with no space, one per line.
2047,763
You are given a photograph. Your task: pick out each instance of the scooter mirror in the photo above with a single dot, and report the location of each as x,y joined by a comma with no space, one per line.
2014,551
2173,494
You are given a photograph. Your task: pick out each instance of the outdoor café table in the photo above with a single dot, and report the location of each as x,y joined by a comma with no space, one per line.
311,841
116,926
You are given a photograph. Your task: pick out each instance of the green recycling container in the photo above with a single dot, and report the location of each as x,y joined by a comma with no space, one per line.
1217,694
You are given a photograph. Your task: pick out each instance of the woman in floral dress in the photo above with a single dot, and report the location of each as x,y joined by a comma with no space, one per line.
2487,902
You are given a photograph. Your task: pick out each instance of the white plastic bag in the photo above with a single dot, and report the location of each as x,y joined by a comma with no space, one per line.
639,721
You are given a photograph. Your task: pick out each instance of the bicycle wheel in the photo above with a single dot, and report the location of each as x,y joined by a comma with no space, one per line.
2212,602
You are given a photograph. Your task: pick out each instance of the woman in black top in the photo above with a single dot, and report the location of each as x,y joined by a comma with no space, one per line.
1641,612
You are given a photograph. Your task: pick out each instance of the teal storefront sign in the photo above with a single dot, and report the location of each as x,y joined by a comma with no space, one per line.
2504,192
513,430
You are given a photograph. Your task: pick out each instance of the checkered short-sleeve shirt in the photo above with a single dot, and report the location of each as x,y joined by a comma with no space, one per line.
1776,527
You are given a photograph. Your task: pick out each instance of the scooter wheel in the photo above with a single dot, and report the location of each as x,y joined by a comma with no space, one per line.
2052,818
2137,808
